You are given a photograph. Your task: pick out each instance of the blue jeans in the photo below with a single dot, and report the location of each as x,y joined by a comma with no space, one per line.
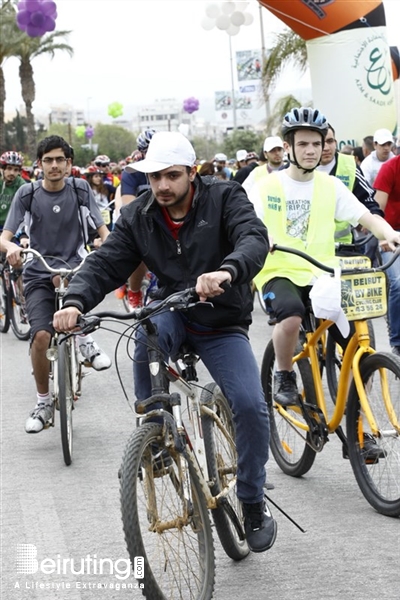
232,365
393,274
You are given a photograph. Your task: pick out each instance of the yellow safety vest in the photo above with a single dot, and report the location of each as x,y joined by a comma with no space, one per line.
346,172
320,234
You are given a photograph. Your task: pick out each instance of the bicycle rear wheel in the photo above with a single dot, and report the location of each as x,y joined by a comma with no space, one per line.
171,532
221,458
289,444
65,397
4,306
19,320
378,476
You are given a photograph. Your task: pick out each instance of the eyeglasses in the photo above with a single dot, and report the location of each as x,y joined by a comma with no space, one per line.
58,159
101,164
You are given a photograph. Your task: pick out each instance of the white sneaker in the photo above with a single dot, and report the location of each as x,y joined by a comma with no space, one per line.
94,356
39,418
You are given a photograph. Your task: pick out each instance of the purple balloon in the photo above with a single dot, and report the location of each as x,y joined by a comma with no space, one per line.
37,19
33,31
49,8
190,105
89,133
49,24
23,18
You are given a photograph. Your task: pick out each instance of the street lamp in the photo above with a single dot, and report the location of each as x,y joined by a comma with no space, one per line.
229,17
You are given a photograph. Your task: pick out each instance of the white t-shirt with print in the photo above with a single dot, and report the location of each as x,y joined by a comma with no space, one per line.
298,195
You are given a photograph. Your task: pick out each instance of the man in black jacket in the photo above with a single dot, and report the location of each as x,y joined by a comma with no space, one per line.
194,232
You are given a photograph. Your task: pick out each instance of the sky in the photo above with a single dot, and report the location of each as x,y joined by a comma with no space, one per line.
138,51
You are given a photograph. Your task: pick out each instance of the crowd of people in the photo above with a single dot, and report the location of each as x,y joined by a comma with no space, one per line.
202,223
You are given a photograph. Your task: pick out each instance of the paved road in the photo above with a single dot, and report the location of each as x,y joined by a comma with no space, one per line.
348,551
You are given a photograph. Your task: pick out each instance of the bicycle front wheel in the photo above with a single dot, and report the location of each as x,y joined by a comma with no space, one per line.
4,307
165,519
221,455
376,460
289,444
65,397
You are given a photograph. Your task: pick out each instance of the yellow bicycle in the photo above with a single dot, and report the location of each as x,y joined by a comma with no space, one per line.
368,395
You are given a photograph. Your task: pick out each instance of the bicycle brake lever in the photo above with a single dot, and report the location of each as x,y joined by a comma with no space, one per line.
88,323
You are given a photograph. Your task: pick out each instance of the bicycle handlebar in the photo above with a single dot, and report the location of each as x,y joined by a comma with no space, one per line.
356,244
62,271
182,300
323,267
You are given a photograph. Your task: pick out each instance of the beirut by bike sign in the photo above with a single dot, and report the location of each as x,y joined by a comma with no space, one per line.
63,573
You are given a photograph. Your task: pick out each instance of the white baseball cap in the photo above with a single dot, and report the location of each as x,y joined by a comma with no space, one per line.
382,136
166,149
221,157
241,155
326,301
271,142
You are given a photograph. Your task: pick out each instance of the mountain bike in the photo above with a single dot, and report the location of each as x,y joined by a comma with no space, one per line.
12,302
368,395
66,366
179,463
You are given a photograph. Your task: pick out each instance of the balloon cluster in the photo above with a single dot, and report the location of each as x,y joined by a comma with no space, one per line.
36,17
190,105
227,16
115,109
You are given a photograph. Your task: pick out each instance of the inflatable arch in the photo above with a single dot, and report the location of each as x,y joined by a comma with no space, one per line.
351,64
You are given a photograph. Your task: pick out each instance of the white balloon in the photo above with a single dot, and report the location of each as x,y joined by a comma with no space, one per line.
223,22
248,18
242,5
233,29
207,23
228,7
237,18
212,11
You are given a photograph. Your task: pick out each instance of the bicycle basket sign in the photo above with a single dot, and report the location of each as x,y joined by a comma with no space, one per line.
364,295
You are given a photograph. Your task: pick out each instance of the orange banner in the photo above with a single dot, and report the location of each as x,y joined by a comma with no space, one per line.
314,18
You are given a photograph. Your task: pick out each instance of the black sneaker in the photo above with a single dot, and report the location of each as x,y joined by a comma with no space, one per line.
371,452
286,392
259,526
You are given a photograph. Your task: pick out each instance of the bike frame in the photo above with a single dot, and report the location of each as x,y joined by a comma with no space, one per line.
160,372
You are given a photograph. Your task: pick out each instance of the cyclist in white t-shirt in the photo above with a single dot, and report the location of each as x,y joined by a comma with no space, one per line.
300,206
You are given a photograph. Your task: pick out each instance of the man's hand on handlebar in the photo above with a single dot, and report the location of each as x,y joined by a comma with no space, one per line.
14,255
209,284
66,318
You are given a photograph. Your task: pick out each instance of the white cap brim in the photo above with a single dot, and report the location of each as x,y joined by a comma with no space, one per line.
149,166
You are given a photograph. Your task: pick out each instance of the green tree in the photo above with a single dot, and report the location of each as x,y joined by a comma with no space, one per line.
242,138
205,147
28,49
114,141
10,38
15,134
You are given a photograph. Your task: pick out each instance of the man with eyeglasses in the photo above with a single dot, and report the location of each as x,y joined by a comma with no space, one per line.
58,213
344,167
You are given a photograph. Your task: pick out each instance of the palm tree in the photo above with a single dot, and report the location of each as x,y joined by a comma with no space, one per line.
289,48
10,38
29,49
